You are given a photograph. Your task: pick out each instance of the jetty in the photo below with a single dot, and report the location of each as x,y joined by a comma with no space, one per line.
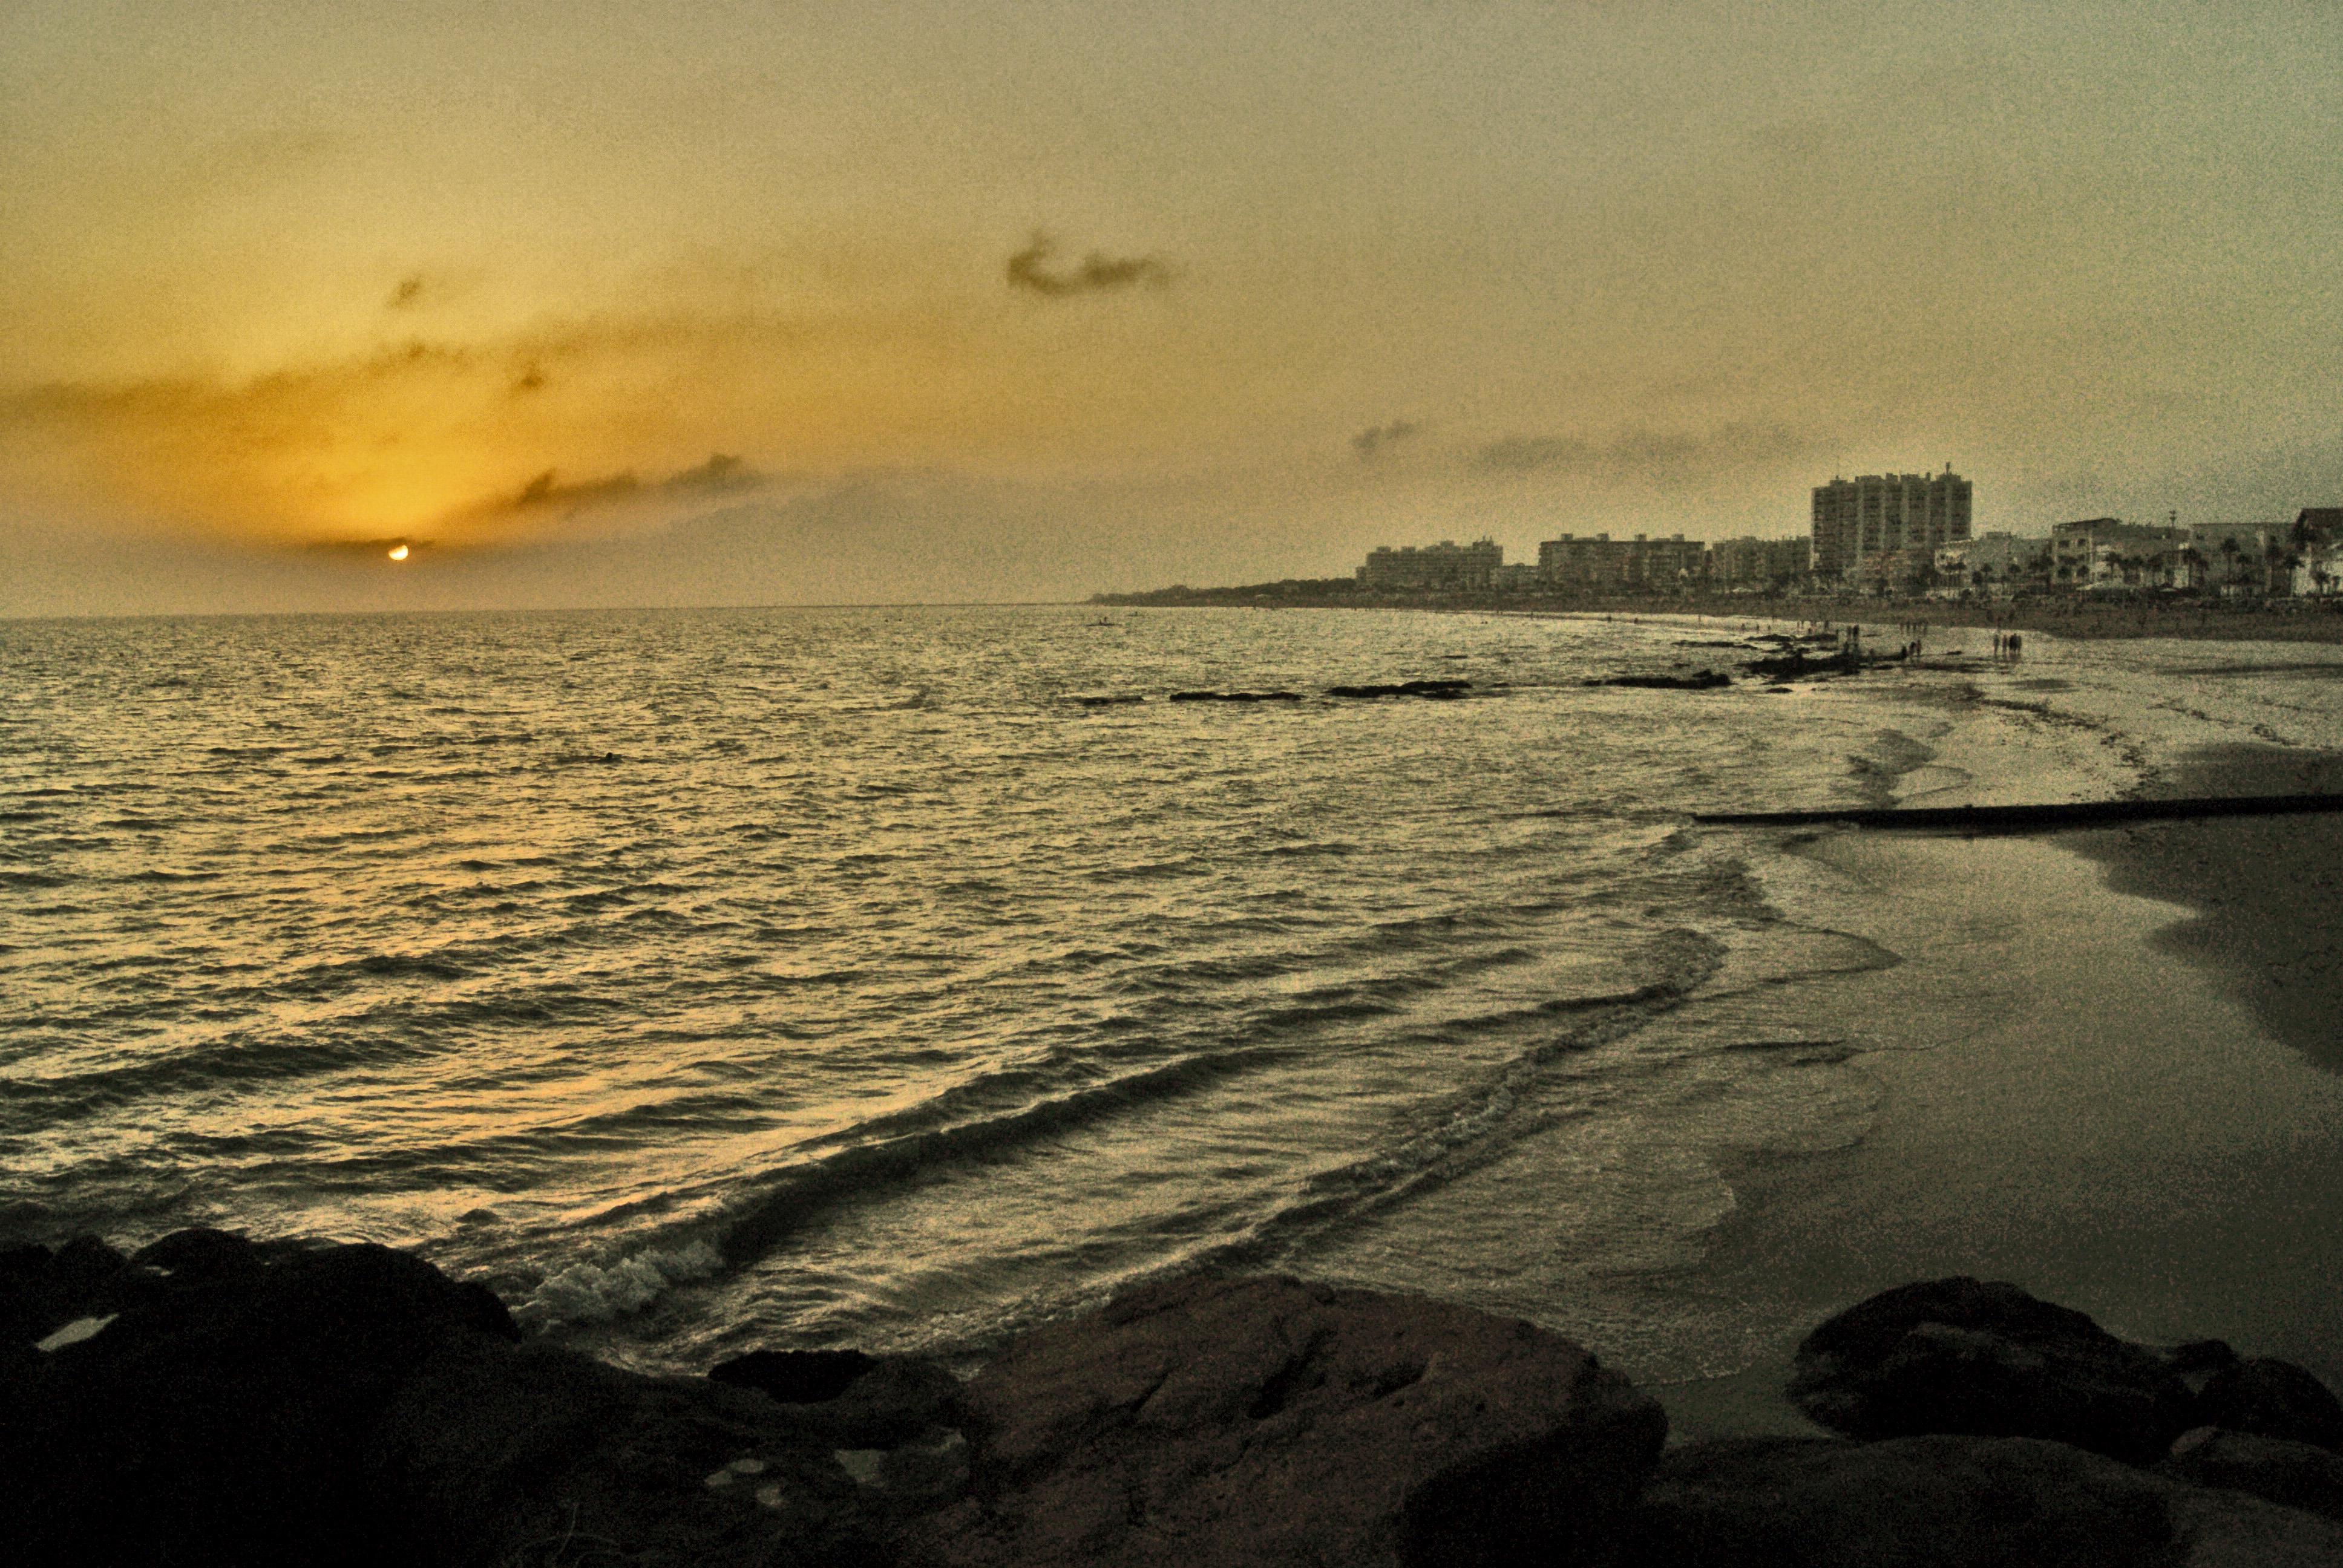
2020,818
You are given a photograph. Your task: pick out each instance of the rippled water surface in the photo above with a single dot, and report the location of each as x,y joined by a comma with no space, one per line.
825,974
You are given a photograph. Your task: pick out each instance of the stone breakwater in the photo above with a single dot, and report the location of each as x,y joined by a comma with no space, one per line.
212,1400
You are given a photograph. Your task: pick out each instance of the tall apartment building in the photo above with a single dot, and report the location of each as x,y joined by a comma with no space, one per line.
1854,519
1446,567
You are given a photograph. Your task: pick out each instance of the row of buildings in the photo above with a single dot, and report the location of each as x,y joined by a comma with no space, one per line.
1590,562
1899,534
2108,554
1910,533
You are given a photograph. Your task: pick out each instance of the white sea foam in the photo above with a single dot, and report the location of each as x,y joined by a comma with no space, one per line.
596,1292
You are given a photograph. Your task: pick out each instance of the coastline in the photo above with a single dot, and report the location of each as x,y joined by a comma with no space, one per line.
2078,619
2267,896
2099,1074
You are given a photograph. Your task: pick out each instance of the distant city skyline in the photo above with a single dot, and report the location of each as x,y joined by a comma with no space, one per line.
1890,533
680,304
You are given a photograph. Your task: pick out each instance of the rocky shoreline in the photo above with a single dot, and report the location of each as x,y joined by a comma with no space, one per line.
212,1400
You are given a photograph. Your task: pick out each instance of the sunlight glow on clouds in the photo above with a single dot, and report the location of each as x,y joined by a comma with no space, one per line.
270,276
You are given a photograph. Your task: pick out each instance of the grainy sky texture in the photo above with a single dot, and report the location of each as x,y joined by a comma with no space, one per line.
720,302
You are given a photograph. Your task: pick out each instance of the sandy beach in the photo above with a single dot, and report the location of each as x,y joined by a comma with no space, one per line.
2267,895
2106,1070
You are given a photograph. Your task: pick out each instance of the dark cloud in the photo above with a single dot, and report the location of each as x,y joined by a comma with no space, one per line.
409,290
547,490
1097,273
721,474
1376,440
1642,454
301,390
531,380
368,548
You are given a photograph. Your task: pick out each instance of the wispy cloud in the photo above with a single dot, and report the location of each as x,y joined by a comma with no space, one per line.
1376,440
547,490
1097,272
415,432
721,474
548,494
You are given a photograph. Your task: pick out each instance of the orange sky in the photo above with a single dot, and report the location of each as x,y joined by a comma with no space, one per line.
1058,297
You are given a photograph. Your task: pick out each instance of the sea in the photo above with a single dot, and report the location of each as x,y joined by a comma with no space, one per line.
903,978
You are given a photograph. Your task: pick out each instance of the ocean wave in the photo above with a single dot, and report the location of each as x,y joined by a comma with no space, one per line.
588,1292
801,1196
979,945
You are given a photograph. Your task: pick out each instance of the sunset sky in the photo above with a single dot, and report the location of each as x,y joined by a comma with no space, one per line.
726,302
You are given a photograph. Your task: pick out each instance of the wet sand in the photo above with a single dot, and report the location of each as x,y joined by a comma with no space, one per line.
2267,895
2122,1105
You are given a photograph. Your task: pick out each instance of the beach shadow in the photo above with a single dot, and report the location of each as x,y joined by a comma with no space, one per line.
2267,891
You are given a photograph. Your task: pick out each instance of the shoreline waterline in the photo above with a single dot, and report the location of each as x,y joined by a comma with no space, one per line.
2314,622
2100,1077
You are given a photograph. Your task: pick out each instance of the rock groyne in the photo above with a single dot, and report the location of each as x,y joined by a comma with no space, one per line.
214,1399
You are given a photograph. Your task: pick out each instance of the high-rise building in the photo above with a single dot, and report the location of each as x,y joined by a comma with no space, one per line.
1856,519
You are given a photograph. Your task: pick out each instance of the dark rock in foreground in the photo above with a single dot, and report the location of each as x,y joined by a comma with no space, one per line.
796,1377
2272,1398
539,1455
1950,1502
1802,1503
2298,1475
1964,1356
207,1404
1268,1422
217,1401
214,1401
859,1400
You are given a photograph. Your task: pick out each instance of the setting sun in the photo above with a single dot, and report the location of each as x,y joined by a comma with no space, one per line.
399,552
